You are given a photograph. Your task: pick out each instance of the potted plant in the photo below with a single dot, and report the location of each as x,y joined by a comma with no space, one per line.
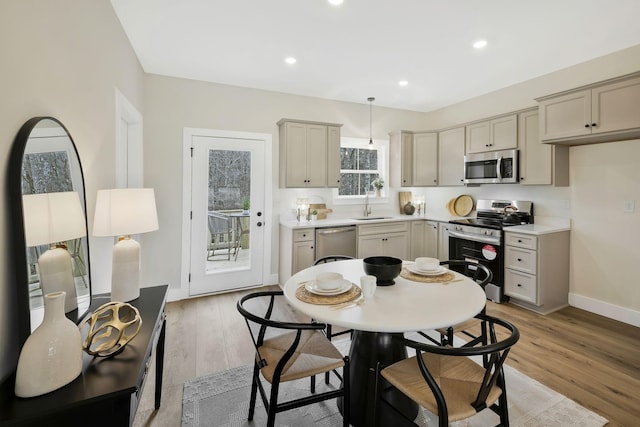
314,215
378,183
245,206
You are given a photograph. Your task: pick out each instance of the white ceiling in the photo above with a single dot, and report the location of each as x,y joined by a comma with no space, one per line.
364,47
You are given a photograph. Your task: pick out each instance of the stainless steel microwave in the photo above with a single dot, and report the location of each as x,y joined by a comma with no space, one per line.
493,167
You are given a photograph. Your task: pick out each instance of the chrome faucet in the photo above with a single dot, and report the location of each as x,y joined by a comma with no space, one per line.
366,209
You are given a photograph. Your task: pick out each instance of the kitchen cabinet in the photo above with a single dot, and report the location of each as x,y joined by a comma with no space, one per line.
540,164
607,111
305,160
333,156
499,133
425,159
537,270
384,239
424,239
297,251
413,159
451,157
443,241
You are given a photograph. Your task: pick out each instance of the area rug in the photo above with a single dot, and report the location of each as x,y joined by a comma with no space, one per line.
222,400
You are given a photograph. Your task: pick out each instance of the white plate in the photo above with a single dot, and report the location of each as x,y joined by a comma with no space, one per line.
311,287
416,270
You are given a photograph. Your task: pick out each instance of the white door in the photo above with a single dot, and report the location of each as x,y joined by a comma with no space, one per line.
227,210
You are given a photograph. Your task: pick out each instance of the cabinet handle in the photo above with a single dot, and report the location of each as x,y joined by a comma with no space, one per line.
594,124
519,241
519,259
587,125
519,285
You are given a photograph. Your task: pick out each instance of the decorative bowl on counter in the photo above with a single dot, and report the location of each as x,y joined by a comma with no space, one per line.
384,268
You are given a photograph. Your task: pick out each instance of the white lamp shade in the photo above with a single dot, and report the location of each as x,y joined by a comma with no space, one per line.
53,217
125,211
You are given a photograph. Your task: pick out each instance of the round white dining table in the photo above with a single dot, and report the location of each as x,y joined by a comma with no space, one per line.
405,306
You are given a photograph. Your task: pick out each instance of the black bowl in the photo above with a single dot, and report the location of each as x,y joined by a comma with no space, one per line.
385,268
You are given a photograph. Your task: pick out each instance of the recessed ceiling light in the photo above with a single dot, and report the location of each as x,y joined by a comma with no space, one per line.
336,2
480,44
290,60
403,83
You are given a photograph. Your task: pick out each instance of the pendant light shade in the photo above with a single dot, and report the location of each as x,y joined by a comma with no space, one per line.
370,99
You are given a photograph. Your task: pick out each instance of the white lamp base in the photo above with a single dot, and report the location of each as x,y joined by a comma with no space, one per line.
56,275
125,279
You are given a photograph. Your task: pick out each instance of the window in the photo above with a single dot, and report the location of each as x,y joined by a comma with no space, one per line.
360,164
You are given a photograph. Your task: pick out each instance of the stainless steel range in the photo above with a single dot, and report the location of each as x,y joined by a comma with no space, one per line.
481,239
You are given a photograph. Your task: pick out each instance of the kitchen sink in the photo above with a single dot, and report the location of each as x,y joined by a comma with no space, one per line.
370,218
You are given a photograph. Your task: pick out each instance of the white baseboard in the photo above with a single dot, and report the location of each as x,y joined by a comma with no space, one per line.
177,294
621,314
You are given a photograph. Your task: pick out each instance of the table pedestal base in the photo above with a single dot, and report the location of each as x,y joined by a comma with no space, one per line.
368,349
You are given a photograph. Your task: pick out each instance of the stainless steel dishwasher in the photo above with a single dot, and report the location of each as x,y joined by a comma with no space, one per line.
336,241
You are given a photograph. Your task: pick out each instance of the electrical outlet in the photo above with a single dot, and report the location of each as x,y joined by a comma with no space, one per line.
629,206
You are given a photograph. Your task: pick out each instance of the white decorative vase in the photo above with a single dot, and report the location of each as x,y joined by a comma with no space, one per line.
378,192
52,355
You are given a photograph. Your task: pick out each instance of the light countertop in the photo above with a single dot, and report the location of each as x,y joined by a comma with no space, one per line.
336,221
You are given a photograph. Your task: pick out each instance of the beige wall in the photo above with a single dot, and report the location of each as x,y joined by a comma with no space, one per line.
61,58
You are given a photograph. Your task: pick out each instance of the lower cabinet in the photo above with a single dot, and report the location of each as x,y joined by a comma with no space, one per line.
385,239
297,251
443,241
424,239
537,270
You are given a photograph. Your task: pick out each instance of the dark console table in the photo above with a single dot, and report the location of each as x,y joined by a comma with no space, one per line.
107,391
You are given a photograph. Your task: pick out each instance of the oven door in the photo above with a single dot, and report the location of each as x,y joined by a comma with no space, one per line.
489,254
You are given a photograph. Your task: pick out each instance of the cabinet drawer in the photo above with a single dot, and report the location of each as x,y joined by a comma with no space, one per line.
521,286
520,259
303,235
389,227
521,240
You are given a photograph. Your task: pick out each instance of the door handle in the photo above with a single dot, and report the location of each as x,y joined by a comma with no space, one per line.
259,224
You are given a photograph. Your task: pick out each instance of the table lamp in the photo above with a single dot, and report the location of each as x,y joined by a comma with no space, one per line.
53,219
120,213
301,205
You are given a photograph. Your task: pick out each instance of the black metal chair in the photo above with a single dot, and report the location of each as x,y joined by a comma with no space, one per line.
481,275
288,351
447,382
221,231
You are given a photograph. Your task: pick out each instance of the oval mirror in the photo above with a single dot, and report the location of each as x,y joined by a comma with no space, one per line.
48,209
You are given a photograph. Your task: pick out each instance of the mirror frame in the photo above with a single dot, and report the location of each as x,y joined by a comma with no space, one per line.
19,251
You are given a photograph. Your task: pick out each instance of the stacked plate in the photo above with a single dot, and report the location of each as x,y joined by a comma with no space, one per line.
343,286
460,206
421,272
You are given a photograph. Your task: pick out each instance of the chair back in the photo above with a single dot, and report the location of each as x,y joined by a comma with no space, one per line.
331,258
258,310
494,354
218,223
478,272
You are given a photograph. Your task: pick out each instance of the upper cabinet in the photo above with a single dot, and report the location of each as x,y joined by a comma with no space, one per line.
540,164
413,159
309,154
500,133
603,112
451,157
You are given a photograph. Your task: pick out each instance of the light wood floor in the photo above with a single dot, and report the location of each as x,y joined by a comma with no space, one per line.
591,359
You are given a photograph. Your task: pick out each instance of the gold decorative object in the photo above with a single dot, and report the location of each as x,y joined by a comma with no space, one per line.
111,327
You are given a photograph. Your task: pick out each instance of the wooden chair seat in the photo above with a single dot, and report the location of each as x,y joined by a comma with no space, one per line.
313,355
459,379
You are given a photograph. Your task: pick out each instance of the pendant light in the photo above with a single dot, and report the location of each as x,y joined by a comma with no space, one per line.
370,99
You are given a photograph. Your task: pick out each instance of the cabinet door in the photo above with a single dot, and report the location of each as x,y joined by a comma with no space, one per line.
316,160
371,245
303,256
425,159
333,156
535,157
430,239
296,154
565,115
478,137
616,106
418,240
396,245
443,241
406,160
504,133
521,286
451,157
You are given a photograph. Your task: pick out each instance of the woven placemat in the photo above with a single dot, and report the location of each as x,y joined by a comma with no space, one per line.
440,278
304,295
